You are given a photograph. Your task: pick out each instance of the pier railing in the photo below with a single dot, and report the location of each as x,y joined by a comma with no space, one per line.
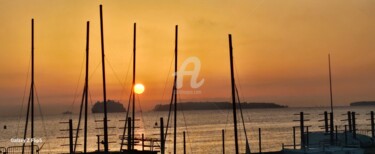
348,133
18,149
3,150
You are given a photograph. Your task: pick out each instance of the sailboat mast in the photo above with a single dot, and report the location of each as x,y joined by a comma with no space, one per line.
330,81
32,86
86,86
233,93
134,62
104,84
27,121
331,99
175,93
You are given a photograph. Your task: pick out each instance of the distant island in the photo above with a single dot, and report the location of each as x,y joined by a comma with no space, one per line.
217,106
363,103
112,107
67,112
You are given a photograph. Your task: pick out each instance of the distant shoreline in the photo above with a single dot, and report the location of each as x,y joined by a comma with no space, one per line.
363,103
218,106
76,112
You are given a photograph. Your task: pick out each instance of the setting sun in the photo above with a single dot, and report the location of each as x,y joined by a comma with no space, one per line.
139,88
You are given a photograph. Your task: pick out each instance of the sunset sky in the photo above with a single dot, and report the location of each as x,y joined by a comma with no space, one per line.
280,50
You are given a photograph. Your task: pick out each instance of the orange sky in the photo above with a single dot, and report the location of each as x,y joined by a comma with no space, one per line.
280,49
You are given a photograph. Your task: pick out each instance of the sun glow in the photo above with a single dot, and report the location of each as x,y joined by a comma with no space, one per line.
139,88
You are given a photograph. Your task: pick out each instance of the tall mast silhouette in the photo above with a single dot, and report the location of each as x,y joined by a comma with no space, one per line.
331,99
86,87
30,103
233,93
133,84
175,93
32,86
105,123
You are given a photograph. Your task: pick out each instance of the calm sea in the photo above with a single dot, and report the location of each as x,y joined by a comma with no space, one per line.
203,128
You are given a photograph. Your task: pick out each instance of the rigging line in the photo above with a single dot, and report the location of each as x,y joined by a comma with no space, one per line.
226,123
126,120
122,83
252,11
141,112
238,79
95,118
238,96
243,121
131,94
93,72
79,118
75,94
165,84
235,68
223,112
239,102
218,108
76,90
27,120
186,128
170,104
113,70
42,116
256,7
169,113
23,98
126,76
140,108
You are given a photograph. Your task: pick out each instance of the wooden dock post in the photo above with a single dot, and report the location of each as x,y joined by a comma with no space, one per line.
162,142
143,142
294,137
307,136
184,142
372,127
336,134
331,128
223,138
129,133
354,126
345,133
98,142
326,121
350,121
260,140
302,127
70,136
